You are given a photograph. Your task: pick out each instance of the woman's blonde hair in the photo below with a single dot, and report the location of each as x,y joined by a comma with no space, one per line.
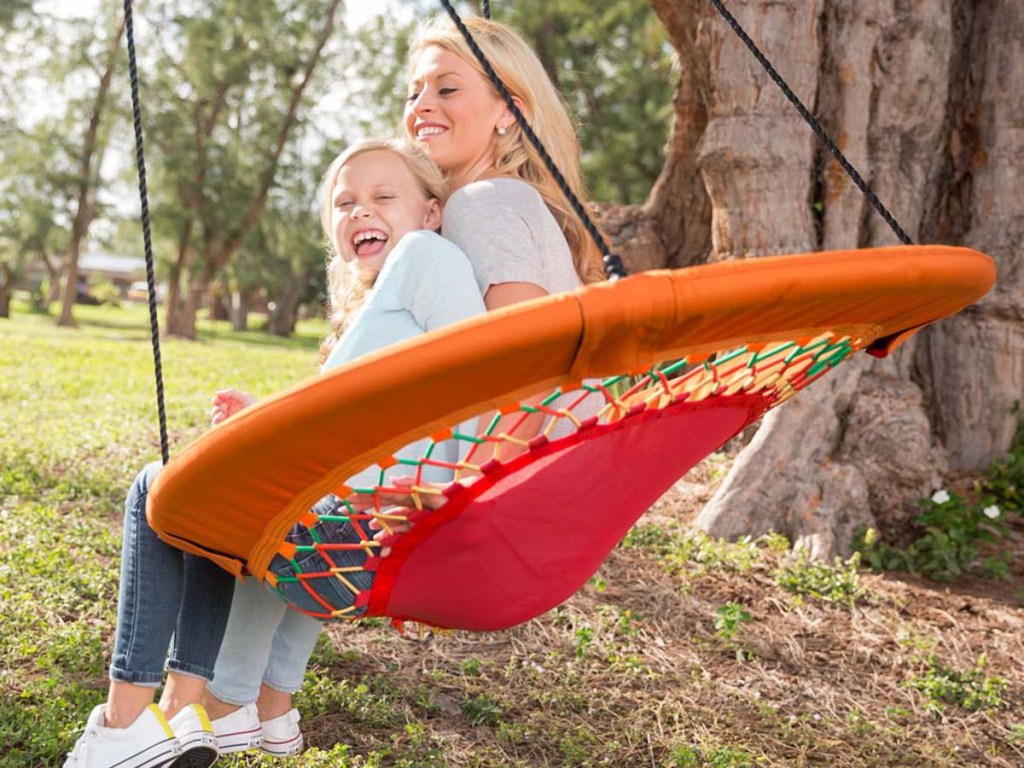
346,287
523,74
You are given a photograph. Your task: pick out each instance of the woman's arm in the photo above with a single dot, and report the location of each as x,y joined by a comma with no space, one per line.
503,294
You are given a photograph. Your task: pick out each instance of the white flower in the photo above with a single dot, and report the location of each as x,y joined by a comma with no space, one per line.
991,512
940,497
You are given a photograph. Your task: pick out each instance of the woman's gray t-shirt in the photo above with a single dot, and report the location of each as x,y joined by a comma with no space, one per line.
509,235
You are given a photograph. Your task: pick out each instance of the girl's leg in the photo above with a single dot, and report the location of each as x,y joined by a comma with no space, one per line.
293,644
329,591
244,654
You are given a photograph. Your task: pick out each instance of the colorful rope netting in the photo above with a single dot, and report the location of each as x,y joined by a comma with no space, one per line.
775,371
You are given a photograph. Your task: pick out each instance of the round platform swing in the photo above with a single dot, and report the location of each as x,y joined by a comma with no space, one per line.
636,379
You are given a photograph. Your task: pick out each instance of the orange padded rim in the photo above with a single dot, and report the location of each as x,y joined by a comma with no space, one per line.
233,493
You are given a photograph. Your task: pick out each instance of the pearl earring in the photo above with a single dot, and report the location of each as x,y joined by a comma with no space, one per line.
502,131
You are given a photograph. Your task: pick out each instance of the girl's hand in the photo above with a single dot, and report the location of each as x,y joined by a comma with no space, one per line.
228,402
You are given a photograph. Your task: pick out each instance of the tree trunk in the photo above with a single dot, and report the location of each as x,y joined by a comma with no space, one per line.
973,364
6,281
85,210
194,298
679,204
916,94
286,309
239,310
70,291
173,308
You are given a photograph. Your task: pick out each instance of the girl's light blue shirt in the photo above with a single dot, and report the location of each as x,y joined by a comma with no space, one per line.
426,283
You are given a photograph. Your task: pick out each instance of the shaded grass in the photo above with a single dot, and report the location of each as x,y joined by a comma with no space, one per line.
635,670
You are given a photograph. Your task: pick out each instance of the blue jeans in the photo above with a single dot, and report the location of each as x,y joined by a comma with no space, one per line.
166,598
332,590
266,643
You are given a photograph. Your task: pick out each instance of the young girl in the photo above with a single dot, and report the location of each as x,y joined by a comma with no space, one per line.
391,278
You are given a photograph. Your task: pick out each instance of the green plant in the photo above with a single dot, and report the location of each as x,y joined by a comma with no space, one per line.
106,292
837,583
950,530
1004,483
584,638
482,709
973,690
321,694
692,550
684,756
730,617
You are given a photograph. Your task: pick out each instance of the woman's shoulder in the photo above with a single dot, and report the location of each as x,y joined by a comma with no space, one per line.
499,192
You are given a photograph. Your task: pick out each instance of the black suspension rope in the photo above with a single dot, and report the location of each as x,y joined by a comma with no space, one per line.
613,266
140,163
814,124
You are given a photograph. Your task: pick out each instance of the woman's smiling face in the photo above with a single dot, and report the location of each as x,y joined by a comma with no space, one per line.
377,199
454,113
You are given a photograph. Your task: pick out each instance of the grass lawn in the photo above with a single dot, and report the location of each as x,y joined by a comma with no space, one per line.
680,652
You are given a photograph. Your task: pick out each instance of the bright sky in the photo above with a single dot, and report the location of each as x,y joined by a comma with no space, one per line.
356,11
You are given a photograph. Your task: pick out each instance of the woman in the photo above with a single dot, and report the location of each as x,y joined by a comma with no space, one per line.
522,238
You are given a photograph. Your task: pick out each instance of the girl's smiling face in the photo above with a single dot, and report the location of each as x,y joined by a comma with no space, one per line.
377,199
454,113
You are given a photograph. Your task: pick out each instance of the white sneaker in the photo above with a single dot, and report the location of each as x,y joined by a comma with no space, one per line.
192,728
240,731
146,743
281,735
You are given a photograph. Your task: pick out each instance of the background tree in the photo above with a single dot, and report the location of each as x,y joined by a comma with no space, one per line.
91,111
293,234
53,109
614,64
10,10
32,202
916,94
234,79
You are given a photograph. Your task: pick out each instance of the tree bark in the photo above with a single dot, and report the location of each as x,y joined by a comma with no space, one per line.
240,310
973,364
916,95
286,310
6,281
679,204
85,209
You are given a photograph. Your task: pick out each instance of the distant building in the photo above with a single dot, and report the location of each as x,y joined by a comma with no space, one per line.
122,271
127,273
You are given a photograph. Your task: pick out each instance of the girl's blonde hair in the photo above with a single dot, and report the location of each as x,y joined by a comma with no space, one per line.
523,74
346,287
